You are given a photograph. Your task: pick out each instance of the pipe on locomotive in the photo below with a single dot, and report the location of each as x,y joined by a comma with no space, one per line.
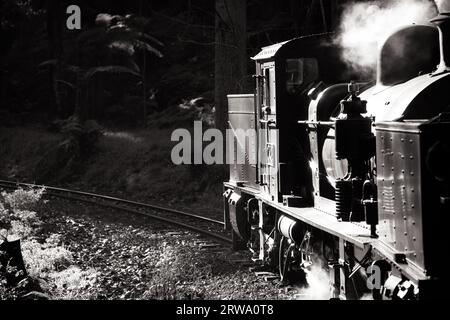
442,22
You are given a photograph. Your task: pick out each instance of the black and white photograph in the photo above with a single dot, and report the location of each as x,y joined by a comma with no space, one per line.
224,156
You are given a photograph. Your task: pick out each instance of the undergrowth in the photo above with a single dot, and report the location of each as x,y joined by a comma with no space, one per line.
178,272
134,164
49,266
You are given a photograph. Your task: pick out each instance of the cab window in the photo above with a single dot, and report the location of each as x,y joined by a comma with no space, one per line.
300,73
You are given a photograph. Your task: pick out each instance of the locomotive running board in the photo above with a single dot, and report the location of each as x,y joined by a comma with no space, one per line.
411,270
348,231
354,233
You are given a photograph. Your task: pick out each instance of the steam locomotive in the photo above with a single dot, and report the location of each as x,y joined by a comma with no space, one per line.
351,176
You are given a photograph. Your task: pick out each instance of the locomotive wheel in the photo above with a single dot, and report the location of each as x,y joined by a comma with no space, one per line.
240,224
284,257
289,263
255,237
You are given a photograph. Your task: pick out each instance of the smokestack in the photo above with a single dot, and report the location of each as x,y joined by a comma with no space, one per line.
442,21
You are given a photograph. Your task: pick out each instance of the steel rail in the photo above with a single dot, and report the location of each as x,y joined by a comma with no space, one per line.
89,198
103,197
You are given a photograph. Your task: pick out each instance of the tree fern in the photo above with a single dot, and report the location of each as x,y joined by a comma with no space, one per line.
109,47
145,46
109,69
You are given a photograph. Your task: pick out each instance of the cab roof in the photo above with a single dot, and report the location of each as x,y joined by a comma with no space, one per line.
277,49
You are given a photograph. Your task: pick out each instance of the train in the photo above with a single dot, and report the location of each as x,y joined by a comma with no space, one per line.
346,174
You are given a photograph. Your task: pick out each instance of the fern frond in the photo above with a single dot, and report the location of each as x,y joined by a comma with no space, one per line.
110,69
72,68
67,67
51,62
145,46
70,85
151,38
124,46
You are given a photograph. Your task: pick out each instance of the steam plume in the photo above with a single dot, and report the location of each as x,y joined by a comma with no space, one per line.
365,26
318,283
443,5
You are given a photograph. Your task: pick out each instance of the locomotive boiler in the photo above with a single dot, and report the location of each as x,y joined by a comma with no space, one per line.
351,175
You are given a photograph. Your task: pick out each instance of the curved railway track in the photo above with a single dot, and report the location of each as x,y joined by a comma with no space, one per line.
208,227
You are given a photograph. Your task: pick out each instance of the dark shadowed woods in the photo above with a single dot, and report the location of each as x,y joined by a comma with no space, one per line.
135,58
95,107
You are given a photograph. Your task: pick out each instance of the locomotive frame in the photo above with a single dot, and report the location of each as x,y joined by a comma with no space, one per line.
353,180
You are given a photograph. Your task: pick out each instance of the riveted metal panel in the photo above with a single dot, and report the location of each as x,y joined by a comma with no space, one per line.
241,117
241,103
399,190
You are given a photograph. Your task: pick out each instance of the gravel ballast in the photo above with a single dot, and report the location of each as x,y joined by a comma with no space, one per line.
135,257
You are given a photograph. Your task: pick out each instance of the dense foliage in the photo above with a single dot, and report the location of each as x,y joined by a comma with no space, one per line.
130,59
42,267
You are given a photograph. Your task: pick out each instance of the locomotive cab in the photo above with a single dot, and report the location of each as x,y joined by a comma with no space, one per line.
285,73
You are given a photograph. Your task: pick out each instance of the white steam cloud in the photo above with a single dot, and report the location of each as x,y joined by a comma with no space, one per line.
317,286
443,5
365,26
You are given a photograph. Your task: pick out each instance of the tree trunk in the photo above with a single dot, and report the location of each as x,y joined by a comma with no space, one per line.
230,55
54,31
79,109
144,76
324,16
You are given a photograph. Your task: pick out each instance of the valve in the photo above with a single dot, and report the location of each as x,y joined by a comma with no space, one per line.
353,107
354,142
